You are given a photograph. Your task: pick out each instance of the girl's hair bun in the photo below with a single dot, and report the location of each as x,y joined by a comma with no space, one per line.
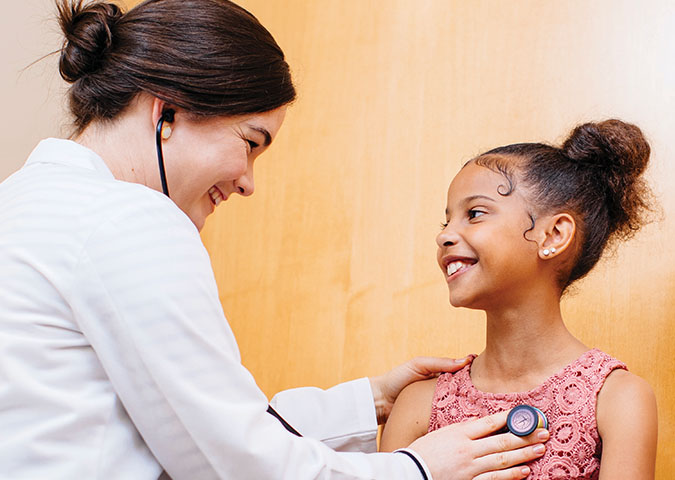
614,146
614,154
88,29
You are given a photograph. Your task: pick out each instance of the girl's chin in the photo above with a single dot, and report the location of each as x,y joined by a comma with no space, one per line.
459,301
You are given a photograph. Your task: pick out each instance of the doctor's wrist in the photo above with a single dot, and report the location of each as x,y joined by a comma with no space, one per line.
425,474
382,406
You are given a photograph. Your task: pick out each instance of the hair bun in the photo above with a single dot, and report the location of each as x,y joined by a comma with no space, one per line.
615,147
88,33
615,155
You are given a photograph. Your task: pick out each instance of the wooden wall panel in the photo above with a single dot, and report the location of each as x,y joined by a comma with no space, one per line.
328,272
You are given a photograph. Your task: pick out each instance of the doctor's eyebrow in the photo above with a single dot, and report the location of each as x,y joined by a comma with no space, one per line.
265,133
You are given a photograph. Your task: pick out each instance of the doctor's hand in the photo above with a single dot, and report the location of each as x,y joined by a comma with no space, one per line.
387,387
468,450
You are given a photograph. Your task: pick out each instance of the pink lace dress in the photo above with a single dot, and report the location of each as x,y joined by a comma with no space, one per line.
568,399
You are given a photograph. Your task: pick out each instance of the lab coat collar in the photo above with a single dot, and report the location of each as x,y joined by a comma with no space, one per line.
66,152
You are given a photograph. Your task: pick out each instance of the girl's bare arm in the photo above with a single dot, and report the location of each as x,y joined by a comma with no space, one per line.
627,423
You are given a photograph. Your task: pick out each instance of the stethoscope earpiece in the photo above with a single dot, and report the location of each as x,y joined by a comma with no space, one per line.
163,133
167,117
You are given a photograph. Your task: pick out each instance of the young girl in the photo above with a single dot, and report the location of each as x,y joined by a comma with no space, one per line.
524,222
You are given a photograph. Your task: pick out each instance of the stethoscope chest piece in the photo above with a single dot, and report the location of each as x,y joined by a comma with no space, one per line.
525,419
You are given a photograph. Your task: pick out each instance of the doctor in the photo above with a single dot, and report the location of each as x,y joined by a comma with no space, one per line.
116,361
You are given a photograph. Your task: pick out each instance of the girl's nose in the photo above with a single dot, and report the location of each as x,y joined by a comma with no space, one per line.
447,237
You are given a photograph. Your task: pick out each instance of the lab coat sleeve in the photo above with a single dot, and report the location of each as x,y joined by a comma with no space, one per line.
342,417
144,295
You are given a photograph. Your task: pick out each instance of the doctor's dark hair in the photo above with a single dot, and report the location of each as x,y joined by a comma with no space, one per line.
595,175
208,57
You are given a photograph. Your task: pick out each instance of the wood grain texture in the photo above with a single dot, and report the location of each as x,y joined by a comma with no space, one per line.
328,272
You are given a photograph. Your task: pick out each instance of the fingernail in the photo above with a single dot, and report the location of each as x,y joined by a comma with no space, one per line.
539,449
543,435
525,471
460,360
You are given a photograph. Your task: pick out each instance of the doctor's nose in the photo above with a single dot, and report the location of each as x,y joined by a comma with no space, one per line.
245,185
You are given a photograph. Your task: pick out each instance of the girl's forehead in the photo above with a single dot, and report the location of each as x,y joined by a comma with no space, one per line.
474,179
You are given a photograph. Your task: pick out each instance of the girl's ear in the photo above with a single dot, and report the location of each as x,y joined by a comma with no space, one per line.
557,235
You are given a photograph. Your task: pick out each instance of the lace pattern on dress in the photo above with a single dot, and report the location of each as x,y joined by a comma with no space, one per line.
568,399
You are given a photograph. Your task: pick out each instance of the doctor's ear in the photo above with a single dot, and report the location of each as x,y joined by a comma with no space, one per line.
557,235
162,116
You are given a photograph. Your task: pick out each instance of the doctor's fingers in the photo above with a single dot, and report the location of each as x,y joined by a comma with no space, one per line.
495,466
426,367
484,426
504,442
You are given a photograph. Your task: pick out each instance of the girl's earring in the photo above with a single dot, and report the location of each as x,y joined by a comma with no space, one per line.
546,252
166,132
553,250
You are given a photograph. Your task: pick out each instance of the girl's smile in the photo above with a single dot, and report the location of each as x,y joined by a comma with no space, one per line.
456,266
483,250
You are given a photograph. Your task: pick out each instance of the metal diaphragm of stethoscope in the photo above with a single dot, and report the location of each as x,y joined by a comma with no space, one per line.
525,419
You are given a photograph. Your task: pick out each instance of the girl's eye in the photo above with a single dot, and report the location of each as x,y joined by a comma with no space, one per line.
474,213
444,225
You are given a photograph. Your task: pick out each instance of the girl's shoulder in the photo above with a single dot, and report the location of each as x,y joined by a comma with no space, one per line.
409,418
623,395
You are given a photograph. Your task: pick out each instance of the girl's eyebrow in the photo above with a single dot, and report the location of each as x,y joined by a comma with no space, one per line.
471,199
476,197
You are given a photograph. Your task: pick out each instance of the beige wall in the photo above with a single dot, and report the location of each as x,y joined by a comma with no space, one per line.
32,97
329,271
33,101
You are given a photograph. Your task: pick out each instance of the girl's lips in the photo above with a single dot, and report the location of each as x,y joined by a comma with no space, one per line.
456,269
454,266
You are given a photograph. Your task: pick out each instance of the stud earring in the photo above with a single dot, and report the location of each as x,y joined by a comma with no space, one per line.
166,132
546,252
553,250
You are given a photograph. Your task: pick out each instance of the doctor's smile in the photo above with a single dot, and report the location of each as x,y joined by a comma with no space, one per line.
216,195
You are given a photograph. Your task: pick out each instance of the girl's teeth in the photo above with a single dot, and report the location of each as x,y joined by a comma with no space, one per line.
454,267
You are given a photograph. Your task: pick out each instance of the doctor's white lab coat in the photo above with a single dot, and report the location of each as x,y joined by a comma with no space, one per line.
116,361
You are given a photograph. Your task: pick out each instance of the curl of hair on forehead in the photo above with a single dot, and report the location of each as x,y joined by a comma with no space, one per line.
596,176
504,166
501,165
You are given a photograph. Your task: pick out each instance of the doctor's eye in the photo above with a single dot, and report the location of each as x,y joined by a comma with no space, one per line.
252,145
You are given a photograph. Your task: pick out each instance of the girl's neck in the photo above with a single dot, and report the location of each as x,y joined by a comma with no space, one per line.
525,345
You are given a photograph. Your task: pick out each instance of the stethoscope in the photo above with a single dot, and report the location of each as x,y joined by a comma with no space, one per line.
168,116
